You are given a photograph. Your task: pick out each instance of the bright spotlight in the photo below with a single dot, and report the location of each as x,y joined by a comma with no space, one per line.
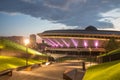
26,41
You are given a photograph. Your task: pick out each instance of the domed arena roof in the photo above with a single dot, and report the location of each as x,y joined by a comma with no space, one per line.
91,28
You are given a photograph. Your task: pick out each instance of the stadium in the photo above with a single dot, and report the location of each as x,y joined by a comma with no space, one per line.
77,40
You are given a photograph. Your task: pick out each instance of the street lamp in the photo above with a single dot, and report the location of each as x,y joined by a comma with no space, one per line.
90,54
26,42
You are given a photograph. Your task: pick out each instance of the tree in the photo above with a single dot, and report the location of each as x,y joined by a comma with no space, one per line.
111,45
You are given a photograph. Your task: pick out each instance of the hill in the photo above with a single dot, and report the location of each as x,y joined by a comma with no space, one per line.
7,44
105,71
7,62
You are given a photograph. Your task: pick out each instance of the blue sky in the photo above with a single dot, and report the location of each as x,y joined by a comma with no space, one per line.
25,17
24,25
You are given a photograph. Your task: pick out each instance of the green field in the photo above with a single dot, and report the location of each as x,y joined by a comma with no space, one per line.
7,44
105,71
7,62
117,51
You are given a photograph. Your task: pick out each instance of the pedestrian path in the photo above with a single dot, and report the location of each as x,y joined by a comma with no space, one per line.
51,72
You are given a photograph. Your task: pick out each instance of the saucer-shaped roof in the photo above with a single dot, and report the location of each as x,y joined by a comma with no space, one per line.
91,28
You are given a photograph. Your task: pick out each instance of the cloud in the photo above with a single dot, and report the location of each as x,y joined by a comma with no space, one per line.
112,16
59,4
29,1
79,13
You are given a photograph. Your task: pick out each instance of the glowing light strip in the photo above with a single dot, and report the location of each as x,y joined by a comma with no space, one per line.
56,45
67,44
85,43
75,43
96,44
61,45
49,43
74,37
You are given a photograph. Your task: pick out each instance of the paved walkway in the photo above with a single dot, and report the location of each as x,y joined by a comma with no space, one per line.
50,72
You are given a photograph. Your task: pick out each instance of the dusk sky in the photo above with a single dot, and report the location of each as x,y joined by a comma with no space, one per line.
25,17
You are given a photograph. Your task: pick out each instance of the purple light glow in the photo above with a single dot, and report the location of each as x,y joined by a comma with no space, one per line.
56,45
75,43
85,43
96,43
49,43
61,45
67,44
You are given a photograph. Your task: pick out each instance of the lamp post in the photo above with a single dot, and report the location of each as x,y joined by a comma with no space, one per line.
90,55
26,42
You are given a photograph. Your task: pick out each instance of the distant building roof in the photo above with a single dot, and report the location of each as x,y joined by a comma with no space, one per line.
78,39
88,30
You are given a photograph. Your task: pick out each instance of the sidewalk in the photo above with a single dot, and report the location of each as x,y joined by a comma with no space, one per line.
51,72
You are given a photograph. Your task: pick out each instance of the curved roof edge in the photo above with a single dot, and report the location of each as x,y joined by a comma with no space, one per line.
87,30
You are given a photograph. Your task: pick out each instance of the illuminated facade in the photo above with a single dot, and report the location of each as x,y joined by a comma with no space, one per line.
86,40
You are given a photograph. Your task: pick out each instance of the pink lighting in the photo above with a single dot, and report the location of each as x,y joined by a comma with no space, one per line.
96,44
67,44
56,45
85,43
61,45
75,43
49,43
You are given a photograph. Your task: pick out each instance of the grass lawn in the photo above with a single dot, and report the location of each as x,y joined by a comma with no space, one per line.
105,71
13,62
117,51
7,44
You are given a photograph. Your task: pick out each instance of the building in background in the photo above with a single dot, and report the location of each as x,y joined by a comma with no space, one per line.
20,40
77,40
33,41
17,39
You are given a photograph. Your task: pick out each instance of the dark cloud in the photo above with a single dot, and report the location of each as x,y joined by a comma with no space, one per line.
56,3
69,12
